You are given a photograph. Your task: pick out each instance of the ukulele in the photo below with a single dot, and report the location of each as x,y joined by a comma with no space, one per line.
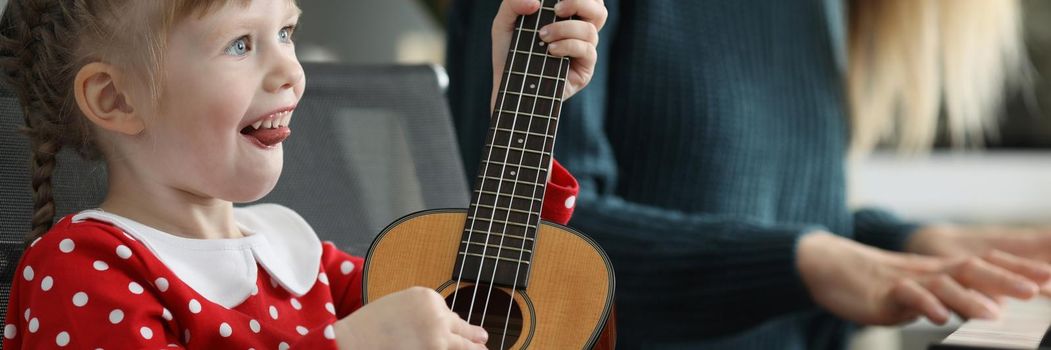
529,283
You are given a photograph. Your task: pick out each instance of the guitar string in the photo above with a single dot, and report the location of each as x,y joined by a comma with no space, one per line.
481,182
521,162
503,171
547,125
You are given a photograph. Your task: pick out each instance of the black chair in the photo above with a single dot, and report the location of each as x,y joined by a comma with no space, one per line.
369,145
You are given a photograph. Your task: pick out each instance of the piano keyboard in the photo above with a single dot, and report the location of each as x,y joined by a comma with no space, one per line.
1022,325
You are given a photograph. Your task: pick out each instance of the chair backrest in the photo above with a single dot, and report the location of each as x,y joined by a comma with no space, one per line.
369,145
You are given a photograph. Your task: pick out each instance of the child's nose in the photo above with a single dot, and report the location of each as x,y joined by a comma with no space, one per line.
285,73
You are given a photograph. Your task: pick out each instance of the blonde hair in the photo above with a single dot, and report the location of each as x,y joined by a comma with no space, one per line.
911,61
43,45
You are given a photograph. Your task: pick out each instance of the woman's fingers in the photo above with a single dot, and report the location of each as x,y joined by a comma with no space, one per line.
965,302
1036,271
990,279
507,16
918,300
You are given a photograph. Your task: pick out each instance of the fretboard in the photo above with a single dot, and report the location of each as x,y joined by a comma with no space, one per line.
502,220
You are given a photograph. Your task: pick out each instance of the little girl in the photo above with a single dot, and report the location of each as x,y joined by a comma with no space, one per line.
187,102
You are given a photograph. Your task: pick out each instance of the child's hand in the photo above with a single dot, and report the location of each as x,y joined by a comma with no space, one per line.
575,38
415,318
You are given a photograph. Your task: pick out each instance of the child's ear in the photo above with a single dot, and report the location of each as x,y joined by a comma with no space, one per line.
104,99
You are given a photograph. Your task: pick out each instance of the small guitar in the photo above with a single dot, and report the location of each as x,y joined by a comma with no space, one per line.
529,283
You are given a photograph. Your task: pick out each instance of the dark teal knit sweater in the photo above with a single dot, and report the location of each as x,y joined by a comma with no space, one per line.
712,137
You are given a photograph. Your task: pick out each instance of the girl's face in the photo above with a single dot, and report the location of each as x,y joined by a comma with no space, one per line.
226,73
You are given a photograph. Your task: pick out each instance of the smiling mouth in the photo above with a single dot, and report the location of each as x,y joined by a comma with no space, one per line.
270,131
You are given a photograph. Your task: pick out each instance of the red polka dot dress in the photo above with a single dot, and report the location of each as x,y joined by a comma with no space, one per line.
101,281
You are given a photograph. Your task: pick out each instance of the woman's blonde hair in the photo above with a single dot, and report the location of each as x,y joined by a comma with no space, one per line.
912,61
44,44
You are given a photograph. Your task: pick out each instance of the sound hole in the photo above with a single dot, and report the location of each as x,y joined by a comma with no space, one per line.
504,328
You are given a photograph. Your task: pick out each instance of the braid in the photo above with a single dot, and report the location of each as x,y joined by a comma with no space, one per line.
37,46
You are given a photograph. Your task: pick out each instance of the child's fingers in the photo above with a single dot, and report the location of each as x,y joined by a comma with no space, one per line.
591,11
569,30
583,52
507,16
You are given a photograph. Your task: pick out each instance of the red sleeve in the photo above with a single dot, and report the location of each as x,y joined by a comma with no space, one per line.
561,195
75,289
343,272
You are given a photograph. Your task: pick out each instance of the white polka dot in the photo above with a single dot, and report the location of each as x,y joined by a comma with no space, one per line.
255,290
302,330
295,304
34,241
282,346
571,201
323,277
66,246
100,265
27,314
225,330
47,283
346,267
28,273
254,325
34,325
167,315
62,339
162,284
123,252
135,288
146,332
80,299
116,316
195,306
330,333
186,336
273,312
10,331
331,308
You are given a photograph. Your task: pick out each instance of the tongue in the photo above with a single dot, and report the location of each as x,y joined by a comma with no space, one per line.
270,137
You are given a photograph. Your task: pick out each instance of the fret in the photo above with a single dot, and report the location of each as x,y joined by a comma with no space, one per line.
556,99
539,76
524,113
522,150
528,226
533,134
517,166
495,257
515,196
503,121
517,182
513,210
521,203
495,246
537,54
506,235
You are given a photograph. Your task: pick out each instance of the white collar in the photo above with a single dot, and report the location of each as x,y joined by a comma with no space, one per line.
224,270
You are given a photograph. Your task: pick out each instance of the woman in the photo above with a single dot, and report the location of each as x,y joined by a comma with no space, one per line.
711,151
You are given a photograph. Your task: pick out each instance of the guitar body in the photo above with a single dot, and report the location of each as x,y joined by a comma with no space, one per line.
566,305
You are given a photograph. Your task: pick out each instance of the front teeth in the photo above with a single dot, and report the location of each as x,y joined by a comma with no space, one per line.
274,121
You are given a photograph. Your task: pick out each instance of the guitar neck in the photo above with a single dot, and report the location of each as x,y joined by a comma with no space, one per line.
509,190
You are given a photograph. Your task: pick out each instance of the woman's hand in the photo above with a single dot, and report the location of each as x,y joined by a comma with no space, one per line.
415,318
1030,247
575,38
872,286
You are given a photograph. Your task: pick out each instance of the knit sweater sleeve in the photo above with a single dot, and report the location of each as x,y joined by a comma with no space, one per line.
679,275
882,229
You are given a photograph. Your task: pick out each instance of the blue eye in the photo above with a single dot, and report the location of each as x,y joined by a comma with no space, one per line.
238,47
285,35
